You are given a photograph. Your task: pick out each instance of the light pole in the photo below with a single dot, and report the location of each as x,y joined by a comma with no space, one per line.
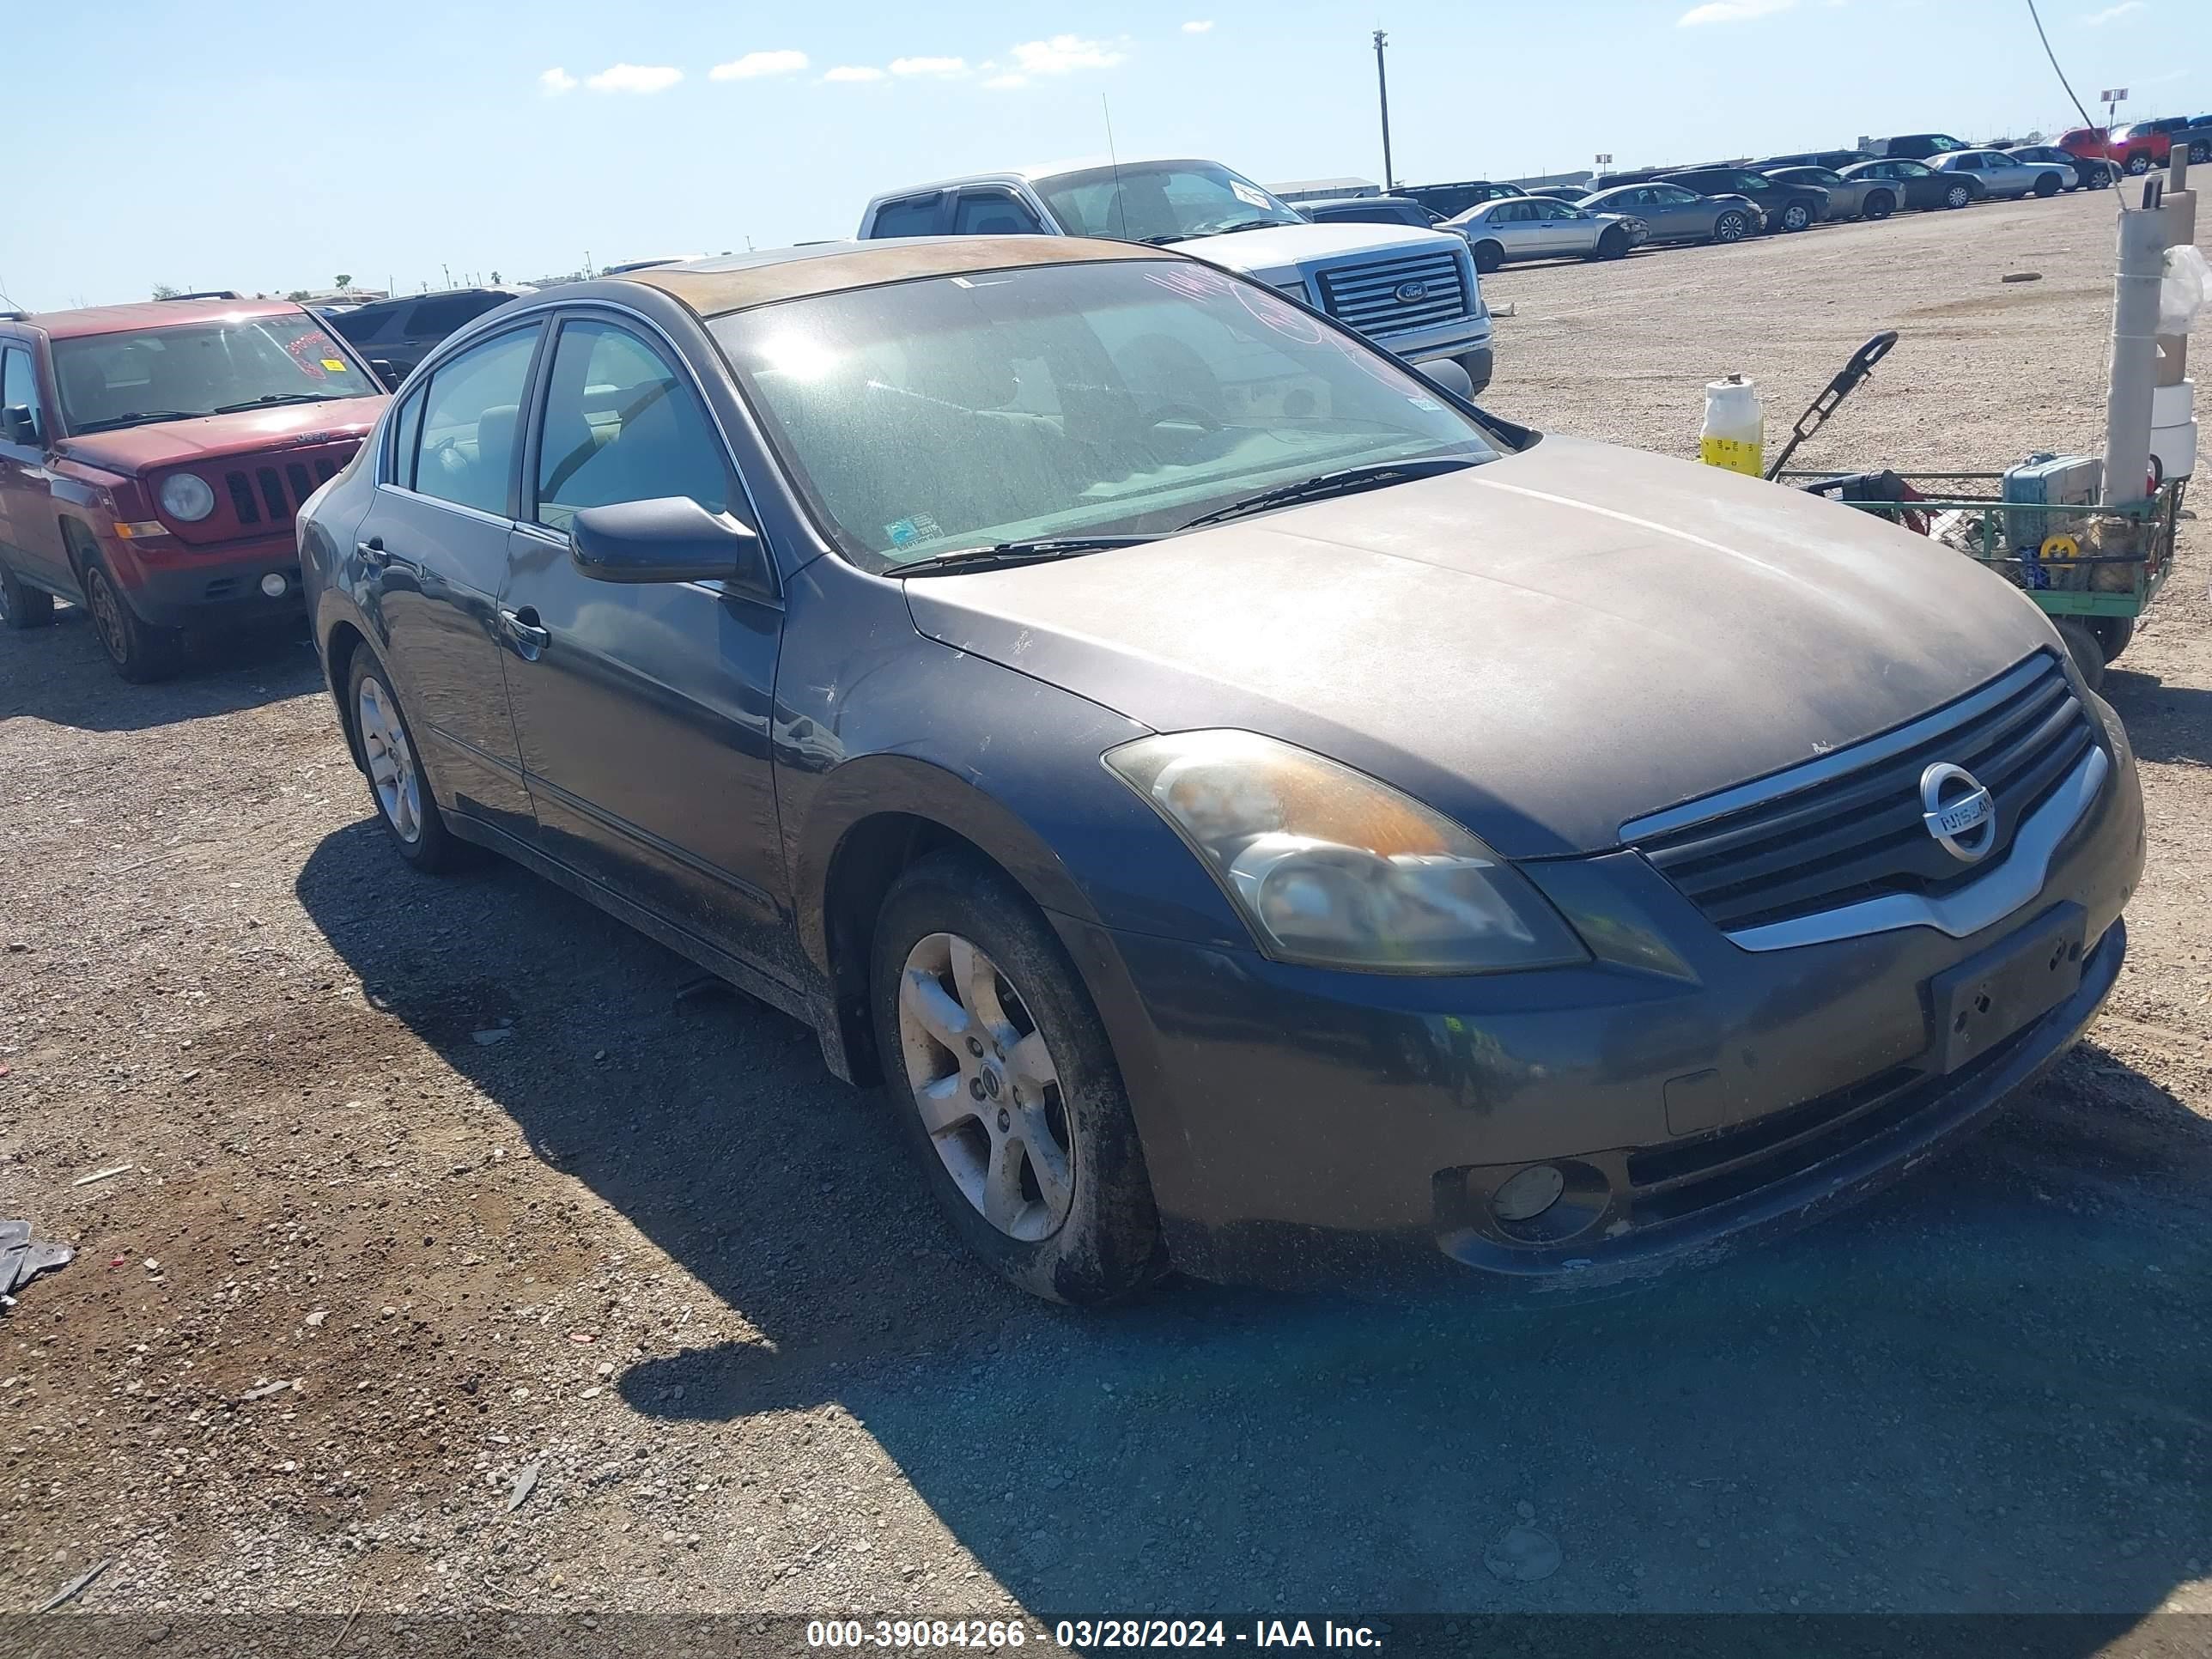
1382,92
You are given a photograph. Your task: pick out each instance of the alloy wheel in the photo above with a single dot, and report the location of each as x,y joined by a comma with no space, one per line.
986,1087
1729,229
107,616
1958,197
391,770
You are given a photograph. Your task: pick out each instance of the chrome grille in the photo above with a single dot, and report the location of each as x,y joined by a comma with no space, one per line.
1856,832
1367,296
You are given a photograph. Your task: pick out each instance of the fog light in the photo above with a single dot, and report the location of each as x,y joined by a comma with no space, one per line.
1528,1194
274,584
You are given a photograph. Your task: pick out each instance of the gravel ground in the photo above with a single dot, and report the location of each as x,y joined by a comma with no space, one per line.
582,1295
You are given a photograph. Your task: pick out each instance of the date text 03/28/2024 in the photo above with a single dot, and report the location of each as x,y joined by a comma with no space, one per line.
1085,1635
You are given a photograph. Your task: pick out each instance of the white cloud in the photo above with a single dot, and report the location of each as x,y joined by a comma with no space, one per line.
2112,13
634,77
853,72
1064,54
556,81
1006,82
754,64
1730,11
938,66
1201,27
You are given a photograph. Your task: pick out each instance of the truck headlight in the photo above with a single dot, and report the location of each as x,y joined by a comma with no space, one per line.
187,496
1331,868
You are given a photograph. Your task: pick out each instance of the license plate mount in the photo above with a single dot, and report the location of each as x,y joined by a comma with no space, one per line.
1993,994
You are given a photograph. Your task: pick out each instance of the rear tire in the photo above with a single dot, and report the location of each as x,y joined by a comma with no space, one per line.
397,787
2112,634
23,606
141,653
1958,196
2138,164
2046,185
982,1023
1730,227
2200,150
1880,205
1488,256
2083,647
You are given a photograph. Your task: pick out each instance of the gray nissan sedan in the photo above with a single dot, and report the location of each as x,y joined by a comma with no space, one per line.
1255,812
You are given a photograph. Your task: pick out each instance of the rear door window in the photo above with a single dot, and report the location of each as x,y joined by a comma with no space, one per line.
470,420
916,215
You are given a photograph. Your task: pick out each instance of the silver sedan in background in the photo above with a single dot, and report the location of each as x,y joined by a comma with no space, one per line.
2081,171
2002,175
1673,214
1531,228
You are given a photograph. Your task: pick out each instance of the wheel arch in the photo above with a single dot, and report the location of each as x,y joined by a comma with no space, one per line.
340,644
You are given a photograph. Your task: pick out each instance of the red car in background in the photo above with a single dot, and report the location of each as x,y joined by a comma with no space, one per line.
2139,146
153,458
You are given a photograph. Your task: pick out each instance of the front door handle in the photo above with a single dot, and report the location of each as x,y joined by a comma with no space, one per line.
523,626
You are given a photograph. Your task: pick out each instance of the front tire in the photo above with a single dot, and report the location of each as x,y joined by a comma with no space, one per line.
1796,216
2102,179
1958,196
396,784
1488,256
2138,164
999,1070
1880,205
1613,244
141,653
23,606
2200,150
1730,227
2083,645
2112,634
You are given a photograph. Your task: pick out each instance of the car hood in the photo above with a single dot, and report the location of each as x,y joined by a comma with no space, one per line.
1287,247
1545,646
134,449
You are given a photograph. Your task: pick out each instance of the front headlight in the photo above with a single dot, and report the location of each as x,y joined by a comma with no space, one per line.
187,496
1331,868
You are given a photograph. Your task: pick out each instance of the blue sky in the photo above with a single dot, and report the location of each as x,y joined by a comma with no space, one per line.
251,144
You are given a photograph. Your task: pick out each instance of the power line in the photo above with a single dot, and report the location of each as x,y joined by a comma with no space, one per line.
2060,73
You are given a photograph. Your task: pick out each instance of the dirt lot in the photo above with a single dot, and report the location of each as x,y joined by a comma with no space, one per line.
454,1157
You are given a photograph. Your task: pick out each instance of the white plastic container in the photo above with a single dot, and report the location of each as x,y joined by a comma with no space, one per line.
2173,430
1734,432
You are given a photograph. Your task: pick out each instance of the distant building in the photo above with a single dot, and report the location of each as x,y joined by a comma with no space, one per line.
1325,190
1582,176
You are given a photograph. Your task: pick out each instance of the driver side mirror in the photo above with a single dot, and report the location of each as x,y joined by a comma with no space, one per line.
670,539
17,425
382,368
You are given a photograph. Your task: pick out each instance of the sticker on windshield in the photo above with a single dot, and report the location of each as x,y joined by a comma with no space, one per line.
1250,195
906,531
335,365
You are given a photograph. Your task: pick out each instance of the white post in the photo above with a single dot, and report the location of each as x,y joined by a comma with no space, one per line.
2180,232
2135,354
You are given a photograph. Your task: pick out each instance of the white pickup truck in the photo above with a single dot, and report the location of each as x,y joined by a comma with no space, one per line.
1412,292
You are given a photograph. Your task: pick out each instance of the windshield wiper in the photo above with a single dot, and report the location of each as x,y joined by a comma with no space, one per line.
138,419
1348,480
1006,554
1236,225
274,397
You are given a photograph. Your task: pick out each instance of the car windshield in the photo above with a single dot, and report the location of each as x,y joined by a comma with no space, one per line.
1160,202
216,367
1122,398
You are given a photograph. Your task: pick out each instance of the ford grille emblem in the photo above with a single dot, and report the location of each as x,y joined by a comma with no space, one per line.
1408,293
1957,812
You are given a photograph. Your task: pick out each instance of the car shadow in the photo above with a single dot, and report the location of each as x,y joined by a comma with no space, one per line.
2165,722
59,673
1984,1390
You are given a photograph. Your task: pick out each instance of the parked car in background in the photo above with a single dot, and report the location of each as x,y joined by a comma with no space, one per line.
1848,198
1530,227
1413,291
1834,160
2082,172
400,332
1447,201
1913,146
628,265
152,456
1918,185
1253,816
1368,210
1673,214
1784,206
2000,177
1560,192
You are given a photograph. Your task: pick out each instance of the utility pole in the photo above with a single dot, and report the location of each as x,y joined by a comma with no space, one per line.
1382,92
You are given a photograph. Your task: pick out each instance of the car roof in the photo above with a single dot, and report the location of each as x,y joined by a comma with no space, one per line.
713,288
1025,175
510,290
149,313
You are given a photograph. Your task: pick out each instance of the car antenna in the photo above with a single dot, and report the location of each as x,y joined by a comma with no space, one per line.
1121,207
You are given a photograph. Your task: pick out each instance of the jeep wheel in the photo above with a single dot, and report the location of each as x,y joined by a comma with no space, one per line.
404,804
23,605
997,1068
1730,227
1880,205
1958,196
1488,256
141,653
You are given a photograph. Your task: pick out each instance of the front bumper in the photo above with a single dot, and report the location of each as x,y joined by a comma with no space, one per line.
171,585
1305,1126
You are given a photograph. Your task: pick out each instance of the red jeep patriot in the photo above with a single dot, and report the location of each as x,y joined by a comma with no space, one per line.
152,458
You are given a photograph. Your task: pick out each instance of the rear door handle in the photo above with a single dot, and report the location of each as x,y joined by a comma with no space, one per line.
527,631
372,553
